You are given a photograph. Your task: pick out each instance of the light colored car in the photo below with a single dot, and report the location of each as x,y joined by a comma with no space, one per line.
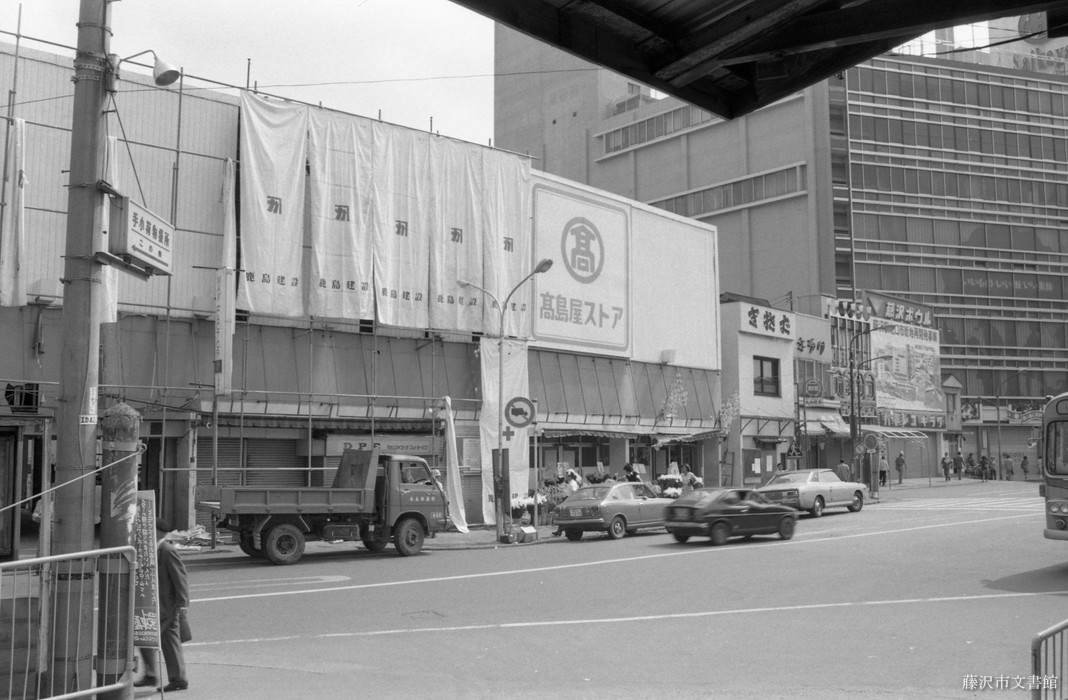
618,509
813,490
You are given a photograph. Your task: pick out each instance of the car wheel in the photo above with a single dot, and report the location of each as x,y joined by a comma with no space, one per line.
680,536
817,507
786,528
720,533
573,535
617,528
408,537
284,544
858,502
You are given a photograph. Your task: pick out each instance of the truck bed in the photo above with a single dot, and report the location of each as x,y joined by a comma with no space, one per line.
253,500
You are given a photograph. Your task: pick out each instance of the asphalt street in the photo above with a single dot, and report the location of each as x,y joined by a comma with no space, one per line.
907,599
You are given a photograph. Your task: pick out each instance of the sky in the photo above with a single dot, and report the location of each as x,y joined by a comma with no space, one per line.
412,62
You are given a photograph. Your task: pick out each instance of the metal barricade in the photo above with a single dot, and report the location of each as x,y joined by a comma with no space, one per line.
48,606
1049,661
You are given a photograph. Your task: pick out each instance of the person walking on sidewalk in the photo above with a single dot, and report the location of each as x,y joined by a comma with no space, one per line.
173,606
984,467
899,464
1006,466
947,464
958,465
969,465
1024,467
884,468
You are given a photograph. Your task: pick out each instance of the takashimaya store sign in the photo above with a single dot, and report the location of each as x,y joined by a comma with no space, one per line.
585,301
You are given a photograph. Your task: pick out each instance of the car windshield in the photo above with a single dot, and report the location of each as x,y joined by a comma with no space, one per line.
789,478
592,493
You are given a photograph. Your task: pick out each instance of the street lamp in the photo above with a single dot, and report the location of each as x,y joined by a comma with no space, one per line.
854,403
499,455
997,406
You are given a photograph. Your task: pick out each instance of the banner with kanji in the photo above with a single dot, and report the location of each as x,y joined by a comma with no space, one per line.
513,437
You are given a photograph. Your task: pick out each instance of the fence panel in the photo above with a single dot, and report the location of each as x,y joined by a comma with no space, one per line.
48,606
1049,661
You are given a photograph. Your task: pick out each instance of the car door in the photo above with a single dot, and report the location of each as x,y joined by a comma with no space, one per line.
417,488
621,500
736,510
759,514
650,506
833,486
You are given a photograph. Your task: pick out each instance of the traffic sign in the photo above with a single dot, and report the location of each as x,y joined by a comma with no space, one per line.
794,452
519,412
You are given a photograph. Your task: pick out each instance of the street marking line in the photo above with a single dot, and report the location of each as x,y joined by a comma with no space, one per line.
268,582
636,618
797,541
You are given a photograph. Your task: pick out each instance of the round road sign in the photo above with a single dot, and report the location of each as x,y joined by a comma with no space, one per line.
519,412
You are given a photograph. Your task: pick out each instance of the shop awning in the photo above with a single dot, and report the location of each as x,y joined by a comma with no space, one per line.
894,432
770,439
836,426
665,440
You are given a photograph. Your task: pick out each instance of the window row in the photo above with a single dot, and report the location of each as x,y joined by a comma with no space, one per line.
886,179
654,127
736,194
981,90
965,282
992,139
1006,383
970,234
1000,332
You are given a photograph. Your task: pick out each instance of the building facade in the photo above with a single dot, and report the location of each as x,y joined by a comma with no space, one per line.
233,390
938,182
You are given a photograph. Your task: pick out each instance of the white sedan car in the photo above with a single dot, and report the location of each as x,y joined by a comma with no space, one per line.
813,490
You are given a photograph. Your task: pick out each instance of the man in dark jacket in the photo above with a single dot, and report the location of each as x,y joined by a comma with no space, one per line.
173,605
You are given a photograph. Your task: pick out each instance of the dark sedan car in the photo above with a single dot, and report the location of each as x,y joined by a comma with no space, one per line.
724,513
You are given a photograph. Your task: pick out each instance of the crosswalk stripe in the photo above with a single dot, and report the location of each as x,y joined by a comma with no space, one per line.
980,503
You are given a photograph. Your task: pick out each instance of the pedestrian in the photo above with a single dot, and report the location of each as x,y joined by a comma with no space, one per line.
1024,467
958,465
843,471
984,466
947,464
1006,466
173,609
689,480
629,472
571,485
884,468
899,464
969,465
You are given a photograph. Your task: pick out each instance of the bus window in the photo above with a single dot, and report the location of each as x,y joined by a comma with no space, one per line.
1057,447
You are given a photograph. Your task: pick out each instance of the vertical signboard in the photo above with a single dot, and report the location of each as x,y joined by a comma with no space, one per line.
586,299
146,582
224,330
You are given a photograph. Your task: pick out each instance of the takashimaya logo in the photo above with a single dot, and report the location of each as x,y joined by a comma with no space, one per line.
582,250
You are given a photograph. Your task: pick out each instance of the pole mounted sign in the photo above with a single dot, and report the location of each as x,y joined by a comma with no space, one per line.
140,235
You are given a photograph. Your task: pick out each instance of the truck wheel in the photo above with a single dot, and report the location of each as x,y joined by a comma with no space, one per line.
374,545
248,548
408,537
284,544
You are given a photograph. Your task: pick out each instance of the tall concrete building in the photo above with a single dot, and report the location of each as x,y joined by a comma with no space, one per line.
938,179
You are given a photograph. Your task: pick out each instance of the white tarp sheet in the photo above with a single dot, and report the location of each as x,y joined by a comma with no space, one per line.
274,150
507,234
516,384
403,202
339,199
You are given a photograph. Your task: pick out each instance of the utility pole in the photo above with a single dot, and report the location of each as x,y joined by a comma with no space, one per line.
72,661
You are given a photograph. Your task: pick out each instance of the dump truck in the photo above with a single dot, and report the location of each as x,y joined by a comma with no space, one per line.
374,499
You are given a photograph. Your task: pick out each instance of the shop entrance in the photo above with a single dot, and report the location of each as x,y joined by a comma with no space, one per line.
10,493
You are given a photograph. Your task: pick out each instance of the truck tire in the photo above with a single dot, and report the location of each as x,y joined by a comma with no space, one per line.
247,546
374,545
284,544
408,537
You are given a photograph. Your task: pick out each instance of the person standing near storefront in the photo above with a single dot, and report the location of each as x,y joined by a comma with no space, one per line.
1006,466
958,465
1024,467
884,468
899,464
947,464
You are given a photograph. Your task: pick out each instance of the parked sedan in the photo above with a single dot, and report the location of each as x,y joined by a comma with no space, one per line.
813,490
723,513
618,509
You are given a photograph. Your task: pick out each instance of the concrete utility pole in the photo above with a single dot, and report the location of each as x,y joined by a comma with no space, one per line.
121,431
72,662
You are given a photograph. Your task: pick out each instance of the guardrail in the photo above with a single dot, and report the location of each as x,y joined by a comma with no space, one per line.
1049,662
46,608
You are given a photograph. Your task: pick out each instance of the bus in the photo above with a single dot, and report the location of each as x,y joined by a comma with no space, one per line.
1054,453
